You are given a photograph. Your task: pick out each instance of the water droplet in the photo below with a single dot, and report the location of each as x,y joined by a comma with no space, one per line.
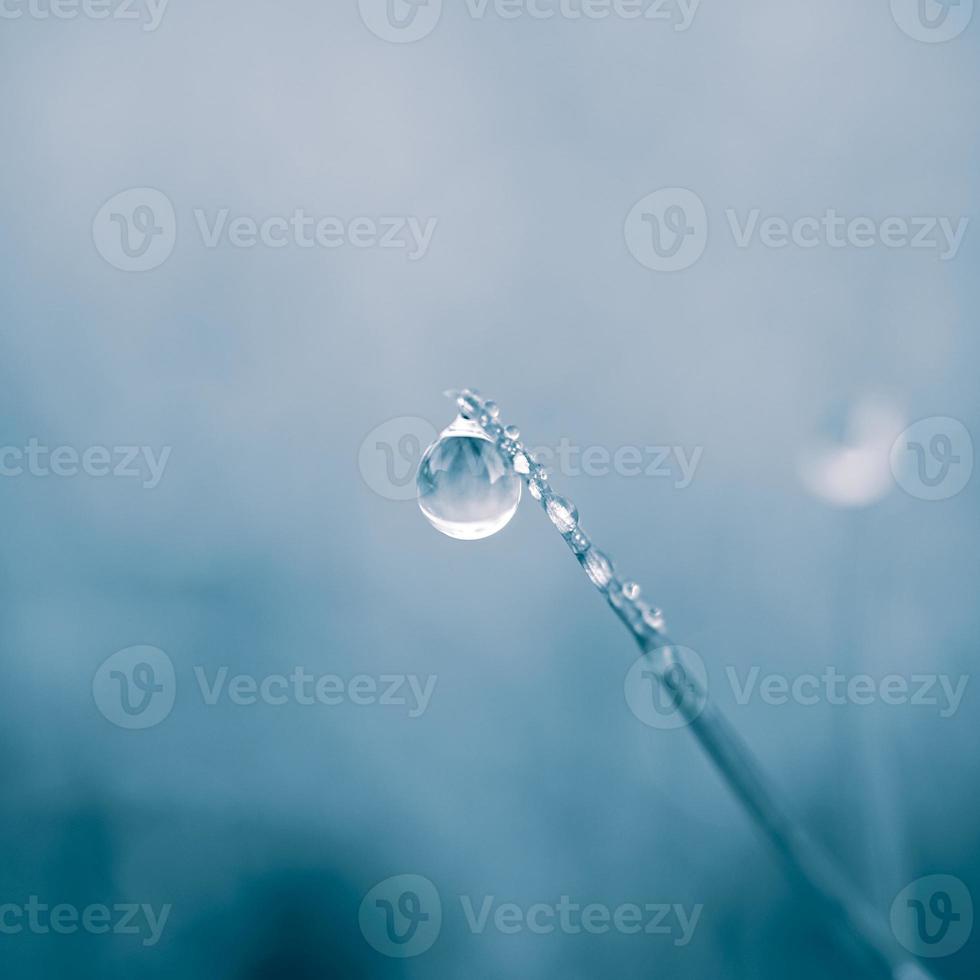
538,481
632,591
507,445
597,567
465,488
562,512
492,409
469,404
579,542
654,618
512,433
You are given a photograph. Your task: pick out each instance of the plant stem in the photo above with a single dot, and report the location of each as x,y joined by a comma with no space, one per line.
853,921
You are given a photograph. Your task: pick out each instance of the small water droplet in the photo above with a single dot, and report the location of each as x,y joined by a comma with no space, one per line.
654,618
507,445
579,542
562,512
469,404
512,433
538,481
465,488
597,566
632,591
492,409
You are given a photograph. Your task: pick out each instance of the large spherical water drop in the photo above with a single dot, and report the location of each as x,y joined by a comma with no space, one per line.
466,489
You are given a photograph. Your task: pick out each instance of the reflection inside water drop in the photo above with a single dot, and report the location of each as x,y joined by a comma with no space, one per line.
465,488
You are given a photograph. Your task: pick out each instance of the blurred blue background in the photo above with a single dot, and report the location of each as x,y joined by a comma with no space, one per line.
268,544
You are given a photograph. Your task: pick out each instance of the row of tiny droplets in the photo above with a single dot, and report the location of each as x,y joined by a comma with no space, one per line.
646,621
